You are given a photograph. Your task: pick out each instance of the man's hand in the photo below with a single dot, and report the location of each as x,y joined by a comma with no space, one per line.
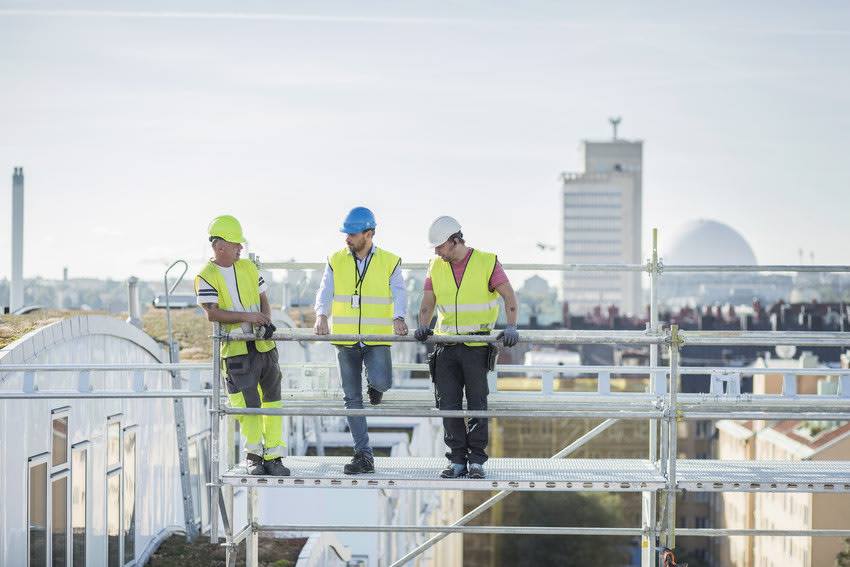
399,326
509,336
265,331
422,333
321,326
257,318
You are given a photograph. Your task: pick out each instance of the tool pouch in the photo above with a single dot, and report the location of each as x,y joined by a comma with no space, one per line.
432,369
492,356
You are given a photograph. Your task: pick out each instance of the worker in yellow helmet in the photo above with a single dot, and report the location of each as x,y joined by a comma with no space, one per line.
233,293
464,285
363,291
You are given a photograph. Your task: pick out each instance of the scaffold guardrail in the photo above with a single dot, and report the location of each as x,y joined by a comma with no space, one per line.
666,475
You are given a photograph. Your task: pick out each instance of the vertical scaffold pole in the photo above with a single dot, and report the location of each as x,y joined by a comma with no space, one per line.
252,557
672,424
648,498
215,422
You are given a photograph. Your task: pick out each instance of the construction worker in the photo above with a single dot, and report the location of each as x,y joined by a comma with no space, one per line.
363,291
464,285
233,293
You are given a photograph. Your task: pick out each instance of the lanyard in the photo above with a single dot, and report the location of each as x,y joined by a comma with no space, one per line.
358,277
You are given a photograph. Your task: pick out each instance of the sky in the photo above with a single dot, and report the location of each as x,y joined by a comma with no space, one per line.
137,122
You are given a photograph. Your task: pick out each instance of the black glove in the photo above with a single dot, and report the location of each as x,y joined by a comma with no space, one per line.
422,333
509,336
266,331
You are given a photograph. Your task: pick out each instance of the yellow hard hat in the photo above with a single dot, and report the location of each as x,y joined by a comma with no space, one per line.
227,228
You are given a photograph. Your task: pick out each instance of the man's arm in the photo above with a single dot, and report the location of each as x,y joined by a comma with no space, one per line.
324,297
265,308
509,297
426,308
217,315
399,301
426,311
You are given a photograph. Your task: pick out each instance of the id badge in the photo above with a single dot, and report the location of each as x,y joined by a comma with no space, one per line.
355,301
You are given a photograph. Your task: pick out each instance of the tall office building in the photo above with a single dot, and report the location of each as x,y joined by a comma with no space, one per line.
602,225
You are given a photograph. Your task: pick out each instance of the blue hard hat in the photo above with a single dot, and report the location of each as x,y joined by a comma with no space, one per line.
358,220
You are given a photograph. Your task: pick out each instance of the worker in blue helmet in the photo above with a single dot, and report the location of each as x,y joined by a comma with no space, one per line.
363,293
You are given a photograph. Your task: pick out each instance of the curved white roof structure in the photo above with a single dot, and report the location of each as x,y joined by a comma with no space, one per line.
705,241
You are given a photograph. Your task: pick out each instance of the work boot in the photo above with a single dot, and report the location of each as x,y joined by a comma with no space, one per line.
454,470
375,396
255,464
274,467
362,462
476,470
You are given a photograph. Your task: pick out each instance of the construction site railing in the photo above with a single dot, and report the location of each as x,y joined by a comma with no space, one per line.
669,407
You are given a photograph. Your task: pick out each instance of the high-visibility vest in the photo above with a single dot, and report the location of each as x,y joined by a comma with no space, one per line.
470,308
373,314
247,277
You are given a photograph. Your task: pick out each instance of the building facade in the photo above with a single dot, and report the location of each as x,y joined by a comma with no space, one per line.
783,440
601,224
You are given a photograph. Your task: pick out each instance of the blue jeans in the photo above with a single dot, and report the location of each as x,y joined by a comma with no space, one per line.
379,375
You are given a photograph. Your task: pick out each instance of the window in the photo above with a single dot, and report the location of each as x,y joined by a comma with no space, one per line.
113,519
205,459
59,519
59,447
129,471
199,475
195,479
37,511
114,523
79,505
113,441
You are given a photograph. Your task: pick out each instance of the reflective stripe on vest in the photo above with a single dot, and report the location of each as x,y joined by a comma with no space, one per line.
247,277
374,315
472,308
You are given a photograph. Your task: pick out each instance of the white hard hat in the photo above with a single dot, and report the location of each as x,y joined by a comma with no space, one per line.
441,229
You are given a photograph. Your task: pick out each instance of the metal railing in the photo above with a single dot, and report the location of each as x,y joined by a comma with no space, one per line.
666,406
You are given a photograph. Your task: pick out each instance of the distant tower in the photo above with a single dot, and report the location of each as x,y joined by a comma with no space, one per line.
16,290
602,221
615,121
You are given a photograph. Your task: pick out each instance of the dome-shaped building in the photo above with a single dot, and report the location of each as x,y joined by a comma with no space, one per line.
704,241
713,243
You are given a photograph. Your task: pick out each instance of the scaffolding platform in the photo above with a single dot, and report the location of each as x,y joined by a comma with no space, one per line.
703,475
608,475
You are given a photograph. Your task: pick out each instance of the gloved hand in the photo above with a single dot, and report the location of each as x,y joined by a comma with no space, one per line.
265,331
509,336
422,333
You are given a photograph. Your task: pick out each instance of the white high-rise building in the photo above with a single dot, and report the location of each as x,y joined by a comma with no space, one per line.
602,225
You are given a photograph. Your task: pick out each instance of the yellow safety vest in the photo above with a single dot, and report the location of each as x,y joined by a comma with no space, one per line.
371,313
247,277
470,308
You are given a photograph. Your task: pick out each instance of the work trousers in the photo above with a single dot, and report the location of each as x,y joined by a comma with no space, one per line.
379,374
462,368
253,381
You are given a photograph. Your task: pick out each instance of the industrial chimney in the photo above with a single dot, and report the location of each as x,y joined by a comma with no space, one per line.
16,290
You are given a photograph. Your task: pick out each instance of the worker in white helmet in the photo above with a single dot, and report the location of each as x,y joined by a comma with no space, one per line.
464,285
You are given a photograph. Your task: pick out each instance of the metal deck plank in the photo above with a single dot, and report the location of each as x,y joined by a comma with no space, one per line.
763,476
609,475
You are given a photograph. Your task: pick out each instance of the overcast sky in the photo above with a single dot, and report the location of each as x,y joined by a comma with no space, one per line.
137,122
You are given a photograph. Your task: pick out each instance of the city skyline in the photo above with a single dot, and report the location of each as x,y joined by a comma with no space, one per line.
135,129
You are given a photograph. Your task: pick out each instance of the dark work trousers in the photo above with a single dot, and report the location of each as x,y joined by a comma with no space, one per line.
462,367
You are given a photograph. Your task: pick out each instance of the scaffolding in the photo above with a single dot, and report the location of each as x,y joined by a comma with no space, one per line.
658,477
